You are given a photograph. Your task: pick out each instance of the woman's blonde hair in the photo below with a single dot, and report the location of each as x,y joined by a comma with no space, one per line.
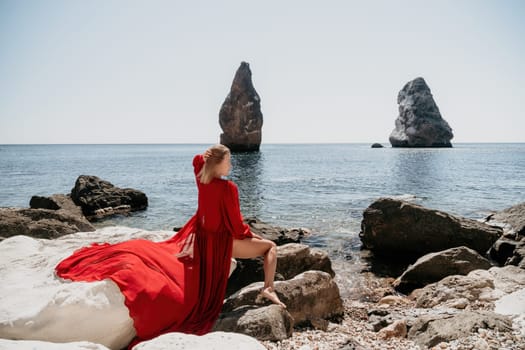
216,154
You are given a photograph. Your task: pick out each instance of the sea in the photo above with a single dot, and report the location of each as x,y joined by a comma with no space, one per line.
322,187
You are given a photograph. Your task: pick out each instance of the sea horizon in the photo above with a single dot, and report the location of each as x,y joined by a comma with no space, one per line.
268,143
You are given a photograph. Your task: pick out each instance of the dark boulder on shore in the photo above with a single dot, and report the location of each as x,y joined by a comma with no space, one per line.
509,252
41,223
278,235
376,145
512,220
240,116
56,202
510,249
419,123
436,266
99,198
49,217
392,227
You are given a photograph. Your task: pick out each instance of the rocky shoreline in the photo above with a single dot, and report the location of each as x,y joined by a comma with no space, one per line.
462,285
479,309
367,310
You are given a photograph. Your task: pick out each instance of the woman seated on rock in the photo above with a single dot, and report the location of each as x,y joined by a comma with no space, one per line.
178,285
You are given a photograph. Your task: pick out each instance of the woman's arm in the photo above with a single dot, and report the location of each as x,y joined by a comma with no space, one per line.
198,163
199,160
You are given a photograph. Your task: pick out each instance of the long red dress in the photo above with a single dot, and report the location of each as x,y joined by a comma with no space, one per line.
163,293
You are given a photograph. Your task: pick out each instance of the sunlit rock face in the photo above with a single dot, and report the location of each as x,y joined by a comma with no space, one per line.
419,123
240,116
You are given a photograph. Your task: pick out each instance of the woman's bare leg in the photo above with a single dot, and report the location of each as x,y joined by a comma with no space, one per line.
254,247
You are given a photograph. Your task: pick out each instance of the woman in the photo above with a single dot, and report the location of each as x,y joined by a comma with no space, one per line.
178,285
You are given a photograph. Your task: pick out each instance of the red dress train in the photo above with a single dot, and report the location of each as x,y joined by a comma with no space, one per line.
163,293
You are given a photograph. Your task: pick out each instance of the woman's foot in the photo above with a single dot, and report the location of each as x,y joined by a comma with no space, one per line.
270,294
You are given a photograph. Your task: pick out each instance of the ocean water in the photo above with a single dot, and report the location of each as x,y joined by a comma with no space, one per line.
323,187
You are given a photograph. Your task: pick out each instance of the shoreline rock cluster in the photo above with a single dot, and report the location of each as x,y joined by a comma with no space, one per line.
457,291
91,199
453,297
460,285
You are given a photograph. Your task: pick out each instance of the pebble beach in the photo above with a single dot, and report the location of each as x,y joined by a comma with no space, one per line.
356,333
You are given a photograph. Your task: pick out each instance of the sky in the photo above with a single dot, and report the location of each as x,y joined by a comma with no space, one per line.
122,71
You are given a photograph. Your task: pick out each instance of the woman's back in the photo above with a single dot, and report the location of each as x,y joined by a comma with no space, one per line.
210,210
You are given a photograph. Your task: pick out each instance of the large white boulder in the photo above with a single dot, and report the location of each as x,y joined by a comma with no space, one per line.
210,341
37,305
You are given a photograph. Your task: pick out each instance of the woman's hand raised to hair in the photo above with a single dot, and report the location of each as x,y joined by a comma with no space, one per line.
206,155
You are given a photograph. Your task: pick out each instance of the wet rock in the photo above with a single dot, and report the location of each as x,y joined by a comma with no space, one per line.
419,123
376,145
240,116
394,227
99,198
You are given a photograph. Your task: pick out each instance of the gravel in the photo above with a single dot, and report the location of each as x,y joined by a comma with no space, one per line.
361,292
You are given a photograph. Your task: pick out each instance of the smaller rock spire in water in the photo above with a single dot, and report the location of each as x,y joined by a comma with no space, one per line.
419,123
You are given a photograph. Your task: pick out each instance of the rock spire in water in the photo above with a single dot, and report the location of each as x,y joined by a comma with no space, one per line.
419,123
240,116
